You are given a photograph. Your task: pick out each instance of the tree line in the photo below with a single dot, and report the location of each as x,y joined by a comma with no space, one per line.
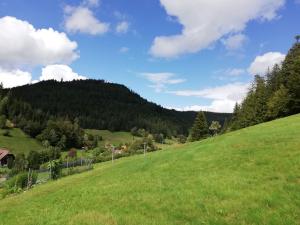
272,96
97,104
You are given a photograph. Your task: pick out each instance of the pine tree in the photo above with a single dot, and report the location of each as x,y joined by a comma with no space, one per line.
200,129
225,126
215,127
290,78
277,104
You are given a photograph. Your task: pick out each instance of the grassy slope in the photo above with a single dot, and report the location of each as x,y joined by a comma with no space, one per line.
251,176
19,142
115,138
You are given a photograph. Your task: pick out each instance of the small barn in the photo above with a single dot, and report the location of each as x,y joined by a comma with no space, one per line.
4,156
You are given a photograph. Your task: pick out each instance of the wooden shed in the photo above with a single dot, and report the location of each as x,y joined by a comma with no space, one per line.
4,156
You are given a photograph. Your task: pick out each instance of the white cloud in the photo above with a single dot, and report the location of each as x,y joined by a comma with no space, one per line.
81,19
234,42
22,45
161,80
206,21
224,106
16,77
223,97
262,63
235,72
13,78
60,72
91,3
124,49
122,27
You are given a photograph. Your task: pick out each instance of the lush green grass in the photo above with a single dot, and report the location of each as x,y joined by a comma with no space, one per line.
114,138
117,138
251,176
19,142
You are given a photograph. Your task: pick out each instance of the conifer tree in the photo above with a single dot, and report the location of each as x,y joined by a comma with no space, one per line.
200,128
225,126
277,104
215,127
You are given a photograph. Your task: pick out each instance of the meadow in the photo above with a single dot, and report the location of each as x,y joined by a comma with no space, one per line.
250,176
18,142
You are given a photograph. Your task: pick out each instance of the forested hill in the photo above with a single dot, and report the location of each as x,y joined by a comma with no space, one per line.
101,105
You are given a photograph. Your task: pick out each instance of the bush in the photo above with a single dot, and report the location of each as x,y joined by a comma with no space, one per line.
20,181
55,167
139,145
181,139
34,160
6,133
159,138
3,122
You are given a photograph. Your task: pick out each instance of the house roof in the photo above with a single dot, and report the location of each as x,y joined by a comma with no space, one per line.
3,153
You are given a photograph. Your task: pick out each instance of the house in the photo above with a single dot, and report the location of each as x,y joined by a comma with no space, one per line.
4,156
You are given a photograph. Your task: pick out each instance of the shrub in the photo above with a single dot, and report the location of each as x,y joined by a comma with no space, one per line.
34,160
3,121
181,139
55,167
20,181
139,145
6,133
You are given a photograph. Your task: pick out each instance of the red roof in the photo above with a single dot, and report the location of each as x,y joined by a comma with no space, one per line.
3,153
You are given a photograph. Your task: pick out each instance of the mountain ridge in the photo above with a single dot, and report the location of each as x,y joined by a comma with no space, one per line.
102,105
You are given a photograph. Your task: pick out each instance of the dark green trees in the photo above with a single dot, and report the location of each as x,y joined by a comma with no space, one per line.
272,96
200,128
63,134
34,160
278,103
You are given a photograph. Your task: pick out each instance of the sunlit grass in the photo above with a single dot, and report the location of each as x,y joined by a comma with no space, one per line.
19,142
251,176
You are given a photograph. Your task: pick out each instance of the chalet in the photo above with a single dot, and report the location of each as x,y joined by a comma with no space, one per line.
4,156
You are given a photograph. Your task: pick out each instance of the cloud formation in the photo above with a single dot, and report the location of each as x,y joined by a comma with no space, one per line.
263,63
81,19
13,78
234,42
206,21
122,27
124,50
223,97
23,45
161,80
91,3
16,77
60,72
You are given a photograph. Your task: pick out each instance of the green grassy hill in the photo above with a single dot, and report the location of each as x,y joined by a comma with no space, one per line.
122,137
115,138
251,176
19,142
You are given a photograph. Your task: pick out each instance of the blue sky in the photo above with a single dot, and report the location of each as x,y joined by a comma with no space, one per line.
187,55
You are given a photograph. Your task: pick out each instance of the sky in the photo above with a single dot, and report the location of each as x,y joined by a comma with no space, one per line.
184,55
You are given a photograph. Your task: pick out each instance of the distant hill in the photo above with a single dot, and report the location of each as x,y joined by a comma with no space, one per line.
107,106
250,176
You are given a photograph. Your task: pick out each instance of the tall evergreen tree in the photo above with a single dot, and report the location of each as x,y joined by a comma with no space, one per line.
200,128
272,97
277,104
291,76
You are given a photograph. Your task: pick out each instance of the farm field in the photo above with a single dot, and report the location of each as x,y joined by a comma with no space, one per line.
250,176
